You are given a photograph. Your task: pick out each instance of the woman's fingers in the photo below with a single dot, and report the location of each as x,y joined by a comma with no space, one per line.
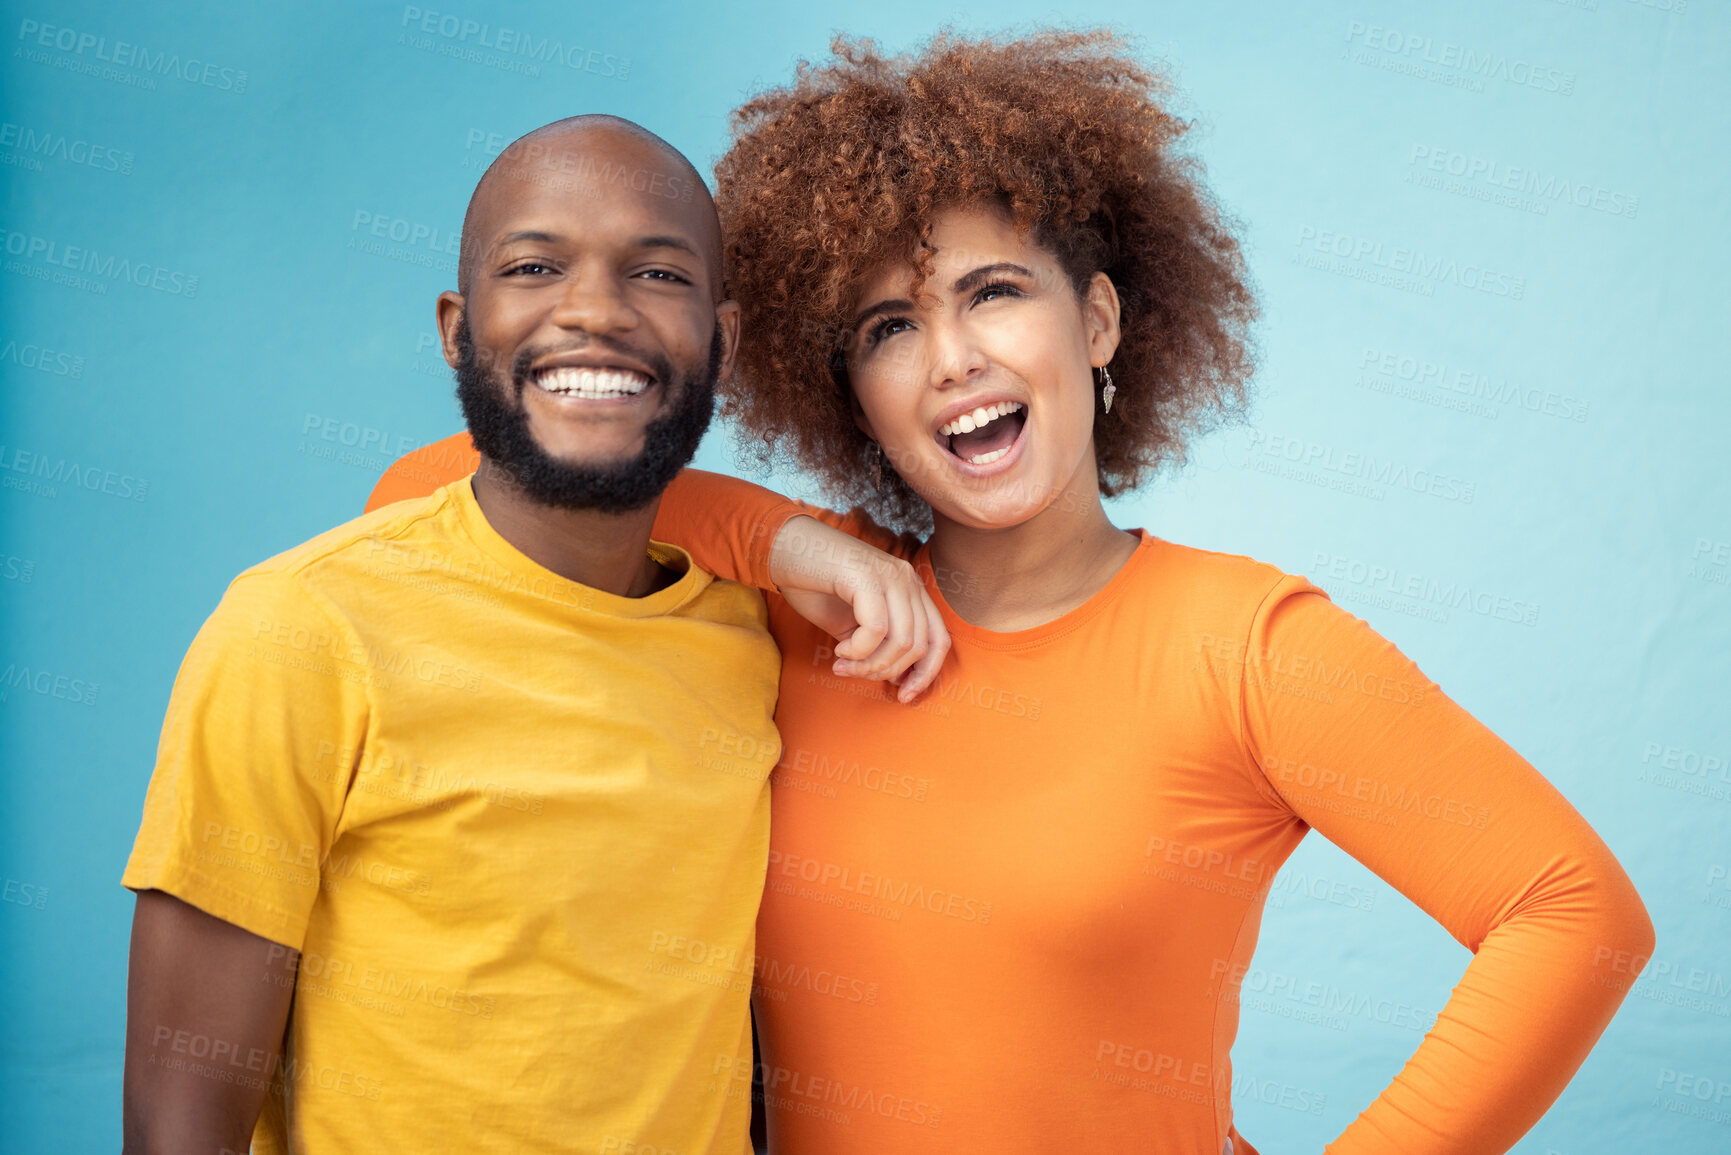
910,618
906,641
874,596
871,624
886,626
924,673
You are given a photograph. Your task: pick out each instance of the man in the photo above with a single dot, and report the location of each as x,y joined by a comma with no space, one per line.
432,799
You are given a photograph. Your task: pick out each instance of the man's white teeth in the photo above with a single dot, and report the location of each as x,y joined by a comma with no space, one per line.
968,422
988,458
593,384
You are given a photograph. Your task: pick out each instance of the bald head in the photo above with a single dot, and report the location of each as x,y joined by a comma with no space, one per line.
588,158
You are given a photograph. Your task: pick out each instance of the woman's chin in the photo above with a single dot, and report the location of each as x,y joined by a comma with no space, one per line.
1001,495
1002,502
1013,504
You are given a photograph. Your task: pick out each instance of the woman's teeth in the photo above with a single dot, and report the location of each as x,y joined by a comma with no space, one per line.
593,384
987,458
968,422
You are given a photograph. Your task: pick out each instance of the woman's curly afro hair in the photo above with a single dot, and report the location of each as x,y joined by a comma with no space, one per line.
847,167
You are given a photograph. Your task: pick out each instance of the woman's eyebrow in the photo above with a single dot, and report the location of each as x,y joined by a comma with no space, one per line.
897,305
972,279
965,282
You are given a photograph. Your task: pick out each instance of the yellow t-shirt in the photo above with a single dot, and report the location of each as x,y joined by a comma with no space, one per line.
514,824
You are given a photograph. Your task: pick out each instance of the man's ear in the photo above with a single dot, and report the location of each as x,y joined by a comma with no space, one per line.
1100,310
727,320
450,318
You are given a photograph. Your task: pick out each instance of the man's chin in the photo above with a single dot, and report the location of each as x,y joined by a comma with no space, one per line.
589,461
588,440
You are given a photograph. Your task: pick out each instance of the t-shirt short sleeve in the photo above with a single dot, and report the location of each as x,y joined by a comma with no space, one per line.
255,760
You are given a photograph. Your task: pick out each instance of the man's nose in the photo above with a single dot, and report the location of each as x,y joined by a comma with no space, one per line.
594,302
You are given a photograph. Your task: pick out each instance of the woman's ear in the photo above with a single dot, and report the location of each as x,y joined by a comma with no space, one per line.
1100,310
860,419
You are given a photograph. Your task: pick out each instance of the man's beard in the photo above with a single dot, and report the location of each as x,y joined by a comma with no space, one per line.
499,426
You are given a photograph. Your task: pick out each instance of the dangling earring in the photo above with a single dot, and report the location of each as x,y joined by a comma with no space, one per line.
1107,389
875,463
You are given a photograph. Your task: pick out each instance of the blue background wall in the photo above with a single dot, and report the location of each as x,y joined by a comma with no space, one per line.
1554,350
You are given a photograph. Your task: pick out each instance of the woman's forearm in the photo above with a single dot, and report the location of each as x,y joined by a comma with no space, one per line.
1538,993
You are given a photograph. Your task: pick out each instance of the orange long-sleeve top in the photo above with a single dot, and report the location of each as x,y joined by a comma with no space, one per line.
1017,915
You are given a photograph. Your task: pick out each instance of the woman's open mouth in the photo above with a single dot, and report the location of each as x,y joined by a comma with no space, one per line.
986,434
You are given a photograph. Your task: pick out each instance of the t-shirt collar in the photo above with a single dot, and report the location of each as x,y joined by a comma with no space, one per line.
474,524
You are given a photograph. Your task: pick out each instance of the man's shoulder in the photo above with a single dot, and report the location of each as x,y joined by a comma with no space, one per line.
340,555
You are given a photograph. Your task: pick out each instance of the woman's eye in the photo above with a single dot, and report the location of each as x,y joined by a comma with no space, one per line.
1001,289
886,328
665,275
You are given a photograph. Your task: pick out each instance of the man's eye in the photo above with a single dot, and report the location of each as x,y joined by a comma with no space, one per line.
528,268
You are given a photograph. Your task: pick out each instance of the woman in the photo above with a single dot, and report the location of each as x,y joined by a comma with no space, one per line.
980,290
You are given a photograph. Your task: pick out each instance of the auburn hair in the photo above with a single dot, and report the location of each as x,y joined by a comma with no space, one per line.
847,166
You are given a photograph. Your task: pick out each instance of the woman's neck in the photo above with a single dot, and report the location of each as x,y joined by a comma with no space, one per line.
1025,575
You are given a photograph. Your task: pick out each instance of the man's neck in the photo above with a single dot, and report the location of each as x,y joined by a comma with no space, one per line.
604,551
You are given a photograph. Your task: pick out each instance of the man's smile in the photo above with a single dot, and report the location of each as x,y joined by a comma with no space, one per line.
591,384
